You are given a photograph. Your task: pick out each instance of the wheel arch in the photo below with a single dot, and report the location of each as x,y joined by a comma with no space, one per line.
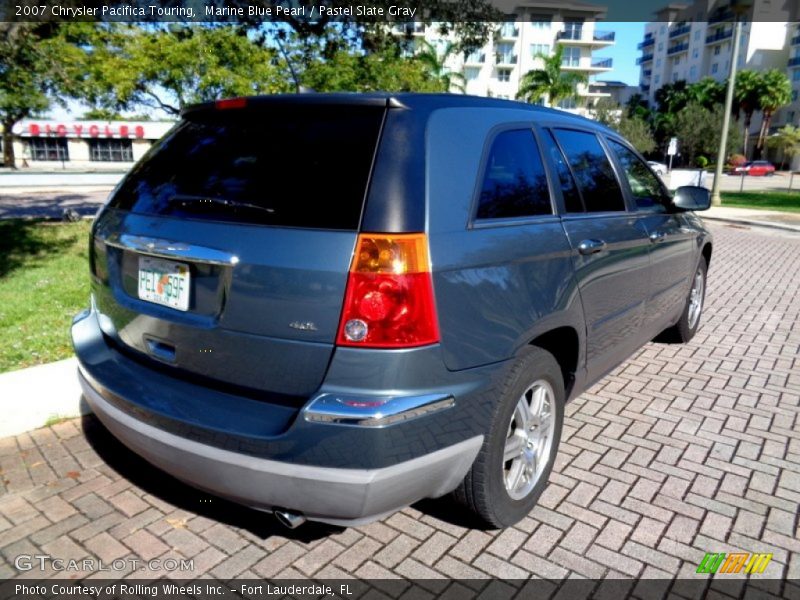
564,344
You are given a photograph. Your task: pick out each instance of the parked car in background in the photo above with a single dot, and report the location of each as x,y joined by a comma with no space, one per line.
331,306
755,168
658,167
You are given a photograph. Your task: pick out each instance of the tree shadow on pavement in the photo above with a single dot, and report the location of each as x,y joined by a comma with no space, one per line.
145,476
19,240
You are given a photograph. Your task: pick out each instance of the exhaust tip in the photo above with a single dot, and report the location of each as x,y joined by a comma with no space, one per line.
289,519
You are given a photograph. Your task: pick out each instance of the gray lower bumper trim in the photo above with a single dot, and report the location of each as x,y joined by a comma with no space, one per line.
339,496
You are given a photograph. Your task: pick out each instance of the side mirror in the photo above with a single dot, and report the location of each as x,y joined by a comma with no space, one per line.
691,197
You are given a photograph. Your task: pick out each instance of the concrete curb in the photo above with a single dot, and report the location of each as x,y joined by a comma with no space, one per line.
32,397
751,223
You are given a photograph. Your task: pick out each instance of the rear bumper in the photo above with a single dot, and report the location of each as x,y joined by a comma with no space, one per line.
338,496
328,459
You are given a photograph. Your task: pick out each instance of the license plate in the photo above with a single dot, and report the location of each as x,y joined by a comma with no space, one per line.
164,282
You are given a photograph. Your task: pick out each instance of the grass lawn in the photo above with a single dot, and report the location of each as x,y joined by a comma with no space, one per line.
44,281
768,200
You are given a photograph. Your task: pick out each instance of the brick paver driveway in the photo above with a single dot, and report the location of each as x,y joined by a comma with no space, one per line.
683,450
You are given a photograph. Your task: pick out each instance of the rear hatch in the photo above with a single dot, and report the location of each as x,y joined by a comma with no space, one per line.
224,254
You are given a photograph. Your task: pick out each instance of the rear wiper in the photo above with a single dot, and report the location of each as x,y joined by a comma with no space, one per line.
186,200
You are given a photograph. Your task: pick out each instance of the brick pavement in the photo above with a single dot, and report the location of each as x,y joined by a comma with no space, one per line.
682,450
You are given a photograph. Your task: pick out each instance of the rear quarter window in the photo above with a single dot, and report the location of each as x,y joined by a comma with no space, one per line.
299,167
514,181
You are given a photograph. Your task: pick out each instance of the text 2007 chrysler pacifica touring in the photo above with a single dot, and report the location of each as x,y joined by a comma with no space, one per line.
332,306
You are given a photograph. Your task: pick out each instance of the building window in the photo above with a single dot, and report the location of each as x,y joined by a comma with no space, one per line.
716,51
543,49
676,61
675,77
540,23
796,75
660,46
568,103
663,29
657,79
504,75
658,63
110,150
471,73
693,73
48,149
505,54
714,68
697,34
571,57
695,53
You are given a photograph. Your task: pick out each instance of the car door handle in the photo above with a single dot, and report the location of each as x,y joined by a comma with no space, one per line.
658,236
591,246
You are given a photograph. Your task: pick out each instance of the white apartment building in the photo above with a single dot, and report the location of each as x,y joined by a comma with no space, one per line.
539,27
690,42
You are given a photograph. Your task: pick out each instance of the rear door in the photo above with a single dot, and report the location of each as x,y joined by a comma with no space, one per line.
609,248
224,253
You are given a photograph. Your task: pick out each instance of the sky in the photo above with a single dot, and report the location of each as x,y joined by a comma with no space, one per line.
624,53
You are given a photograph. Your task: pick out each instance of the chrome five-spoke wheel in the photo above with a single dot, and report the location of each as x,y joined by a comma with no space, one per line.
529,438
696,298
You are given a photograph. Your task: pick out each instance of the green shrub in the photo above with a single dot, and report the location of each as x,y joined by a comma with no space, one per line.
701,162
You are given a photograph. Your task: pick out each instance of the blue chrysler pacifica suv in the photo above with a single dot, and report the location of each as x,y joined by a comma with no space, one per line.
332,306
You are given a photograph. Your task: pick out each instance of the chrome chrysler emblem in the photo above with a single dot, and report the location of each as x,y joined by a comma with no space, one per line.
304,326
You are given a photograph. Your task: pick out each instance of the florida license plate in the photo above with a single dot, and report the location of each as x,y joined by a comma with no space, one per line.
164,282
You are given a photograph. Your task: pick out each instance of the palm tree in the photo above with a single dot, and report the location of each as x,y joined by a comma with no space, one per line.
437,68
747,92
550,81
787,140
708,92
776,91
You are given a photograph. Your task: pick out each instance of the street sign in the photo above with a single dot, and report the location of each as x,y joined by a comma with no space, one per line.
672,150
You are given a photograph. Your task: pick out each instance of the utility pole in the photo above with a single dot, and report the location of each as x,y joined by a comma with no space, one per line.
738,7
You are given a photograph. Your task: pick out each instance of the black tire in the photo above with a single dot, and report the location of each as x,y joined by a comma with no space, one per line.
483,490
685,329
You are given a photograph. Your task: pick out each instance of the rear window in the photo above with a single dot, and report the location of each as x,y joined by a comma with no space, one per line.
300,167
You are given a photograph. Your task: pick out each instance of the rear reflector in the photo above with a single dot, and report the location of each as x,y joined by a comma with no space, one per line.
389,299
230,103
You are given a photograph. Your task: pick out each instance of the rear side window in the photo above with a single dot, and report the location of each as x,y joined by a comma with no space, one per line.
514,181
592,170
645,186
297,167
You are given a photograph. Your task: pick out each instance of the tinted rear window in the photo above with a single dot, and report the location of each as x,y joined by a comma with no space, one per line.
300,167
592,169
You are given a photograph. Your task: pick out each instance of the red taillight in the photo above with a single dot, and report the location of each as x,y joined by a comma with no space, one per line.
229,103
389,298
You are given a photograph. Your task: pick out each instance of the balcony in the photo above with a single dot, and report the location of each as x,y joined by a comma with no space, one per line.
794,62
505,59
796,40
647,72
679,31
509,32
644,87
648,41
722,34
678,48
602,63
604,36
721,15
644,58
475,59
575,35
